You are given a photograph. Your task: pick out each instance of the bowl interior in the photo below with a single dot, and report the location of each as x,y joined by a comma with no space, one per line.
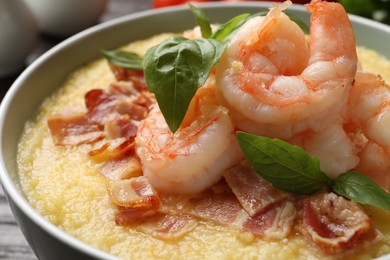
46,74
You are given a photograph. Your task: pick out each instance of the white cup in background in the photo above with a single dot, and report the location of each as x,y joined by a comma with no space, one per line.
18,34
63,18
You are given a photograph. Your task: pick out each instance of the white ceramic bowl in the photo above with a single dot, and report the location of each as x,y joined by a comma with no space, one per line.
45,75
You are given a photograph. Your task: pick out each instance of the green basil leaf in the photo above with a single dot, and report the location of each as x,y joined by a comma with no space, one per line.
360,188
202,20
175,69
360,7
285,166
124,59
227,28
304,27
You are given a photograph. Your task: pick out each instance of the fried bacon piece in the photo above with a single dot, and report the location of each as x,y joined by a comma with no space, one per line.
139,207
133,216
254,193
158,225
123,168
112,150
135,192
168,227
221,208
333,223
112,118
275,222
225,209
134,76
125,88
101,104
73,128
118,126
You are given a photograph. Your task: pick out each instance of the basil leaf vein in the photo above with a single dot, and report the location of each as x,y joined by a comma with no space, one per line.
175,69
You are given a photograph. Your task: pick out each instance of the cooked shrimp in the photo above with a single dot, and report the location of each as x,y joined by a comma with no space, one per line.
196,155
332,146
275,84
375,163
368,109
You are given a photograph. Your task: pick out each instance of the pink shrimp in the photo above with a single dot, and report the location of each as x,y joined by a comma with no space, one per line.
276,85
196,155
368,111
332,145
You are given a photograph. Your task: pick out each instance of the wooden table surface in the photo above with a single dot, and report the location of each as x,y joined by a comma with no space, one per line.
13,245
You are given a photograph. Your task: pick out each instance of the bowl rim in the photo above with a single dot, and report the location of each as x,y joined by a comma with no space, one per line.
11,190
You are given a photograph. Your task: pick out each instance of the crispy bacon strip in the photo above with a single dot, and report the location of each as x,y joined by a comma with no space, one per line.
220,208
118,126
100,104
123,88
254,193
112,118
73,128
139,206
121,98
172,218
168,227
134,193
275,222
333,223
123,168
112,150
160,226
133,216
225,209
144,98
134,76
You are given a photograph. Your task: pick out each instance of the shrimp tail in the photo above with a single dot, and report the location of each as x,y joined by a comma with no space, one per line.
277,7
339,29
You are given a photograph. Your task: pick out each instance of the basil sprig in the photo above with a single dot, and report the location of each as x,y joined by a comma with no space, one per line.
360,188
202,20
124,59
287,167
175,69
290,168
225,31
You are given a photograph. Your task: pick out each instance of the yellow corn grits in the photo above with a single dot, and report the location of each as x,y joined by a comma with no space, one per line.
64,186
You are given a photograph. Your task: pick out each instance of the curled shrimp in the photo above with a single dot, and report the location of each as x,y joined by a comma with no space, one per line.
196,155
276,85
332,146
368,110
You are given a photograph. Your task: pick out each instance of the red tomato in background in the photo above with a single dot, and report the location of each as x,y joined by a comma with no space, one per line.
163,3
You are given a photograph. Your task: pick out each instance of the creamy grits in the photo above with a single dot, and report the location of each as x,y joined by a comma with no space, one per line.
65,187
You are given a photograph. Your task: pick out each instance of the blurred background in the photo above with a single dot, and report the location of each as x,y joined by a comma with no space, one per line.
378,10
